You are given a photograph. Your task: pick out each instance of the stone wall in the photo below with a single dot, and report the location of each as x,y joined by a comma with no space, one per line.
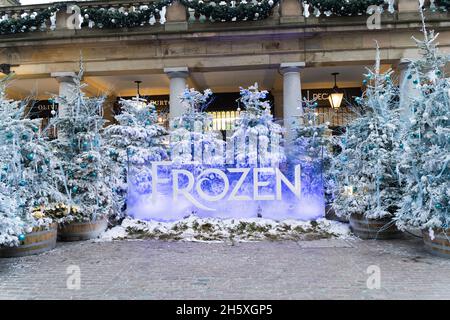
4,3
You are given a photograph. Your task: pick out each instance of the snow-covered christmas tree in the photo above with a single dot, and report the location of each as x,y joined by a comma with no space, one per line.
80,151
132,145
364,171
424,151
257,139
192,138
27,179
313,150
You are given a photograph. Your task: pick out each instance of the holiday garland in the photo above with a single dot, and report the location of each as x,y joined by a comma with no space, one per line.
210,10
115,18
443,4
28,22
226,11
344,7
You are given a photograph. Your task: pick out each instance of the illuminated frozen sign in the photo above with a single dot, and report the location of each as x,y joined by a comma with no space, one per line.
247,176
175,191
234,193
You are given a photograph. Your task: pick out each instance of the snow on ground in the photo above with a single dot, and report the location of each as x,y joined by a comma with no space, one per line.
198,229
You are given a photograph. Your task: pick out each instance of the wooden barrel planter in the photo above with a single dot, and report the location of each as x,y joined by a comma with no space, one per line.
380,229
330,214
440,245
36,242
79,231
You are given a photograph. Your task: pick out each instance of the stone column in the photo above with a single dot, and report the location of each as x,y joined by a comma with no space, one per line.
407,88
177,78
66,90
292,94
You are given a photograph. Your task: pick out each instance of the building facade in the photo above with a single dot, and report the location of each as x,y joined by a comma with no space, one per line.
285,46
9,3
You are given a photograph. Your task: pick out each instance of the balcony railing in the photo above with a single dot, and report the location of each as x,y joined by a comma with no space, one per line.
129,14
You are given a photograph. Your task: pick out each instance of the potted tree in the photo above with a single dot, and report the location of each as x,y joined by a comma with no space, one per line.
367,189
80,152
26,183
424,152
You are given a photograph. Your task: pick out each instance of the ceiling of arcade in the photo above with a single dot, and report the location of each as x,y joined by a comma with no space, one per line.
224,81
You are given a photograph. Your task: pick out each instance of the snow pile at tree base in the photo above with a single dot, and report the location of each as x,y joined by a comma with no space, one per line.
198,229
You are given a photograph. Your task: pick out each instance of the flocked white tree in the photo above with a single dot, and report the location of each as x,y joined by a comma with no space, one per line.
365,170
27,180
313,143
192,139
132,145
80,150
424,148
257,139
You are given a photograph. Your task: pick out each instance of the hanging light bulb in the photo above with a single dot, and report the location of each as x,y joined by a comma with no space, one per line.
336,97
140,101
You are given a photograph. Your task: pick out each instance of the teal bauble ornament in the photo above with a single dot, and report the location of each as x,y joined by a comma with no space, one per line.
22,183
9,135
401,146
415,81
90,157
93,174
25,137
22,237
35,129
75,189
364,82
438,206
409,77
438,72
30,156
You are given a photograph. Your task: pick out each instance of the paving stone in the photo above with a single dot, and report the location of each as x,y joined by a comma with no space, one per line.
319,269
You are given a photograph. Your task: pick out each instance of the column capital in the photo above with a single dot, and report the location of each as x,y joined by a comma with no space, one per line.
177,72
64,76
286,67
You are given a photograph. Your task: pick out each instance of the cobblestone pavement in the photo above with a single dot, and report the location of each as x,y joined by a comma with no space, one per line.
322,269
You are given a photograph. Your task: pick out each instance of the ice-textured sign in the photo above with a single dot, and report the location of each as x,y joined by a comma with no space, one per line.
173,191
246,176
